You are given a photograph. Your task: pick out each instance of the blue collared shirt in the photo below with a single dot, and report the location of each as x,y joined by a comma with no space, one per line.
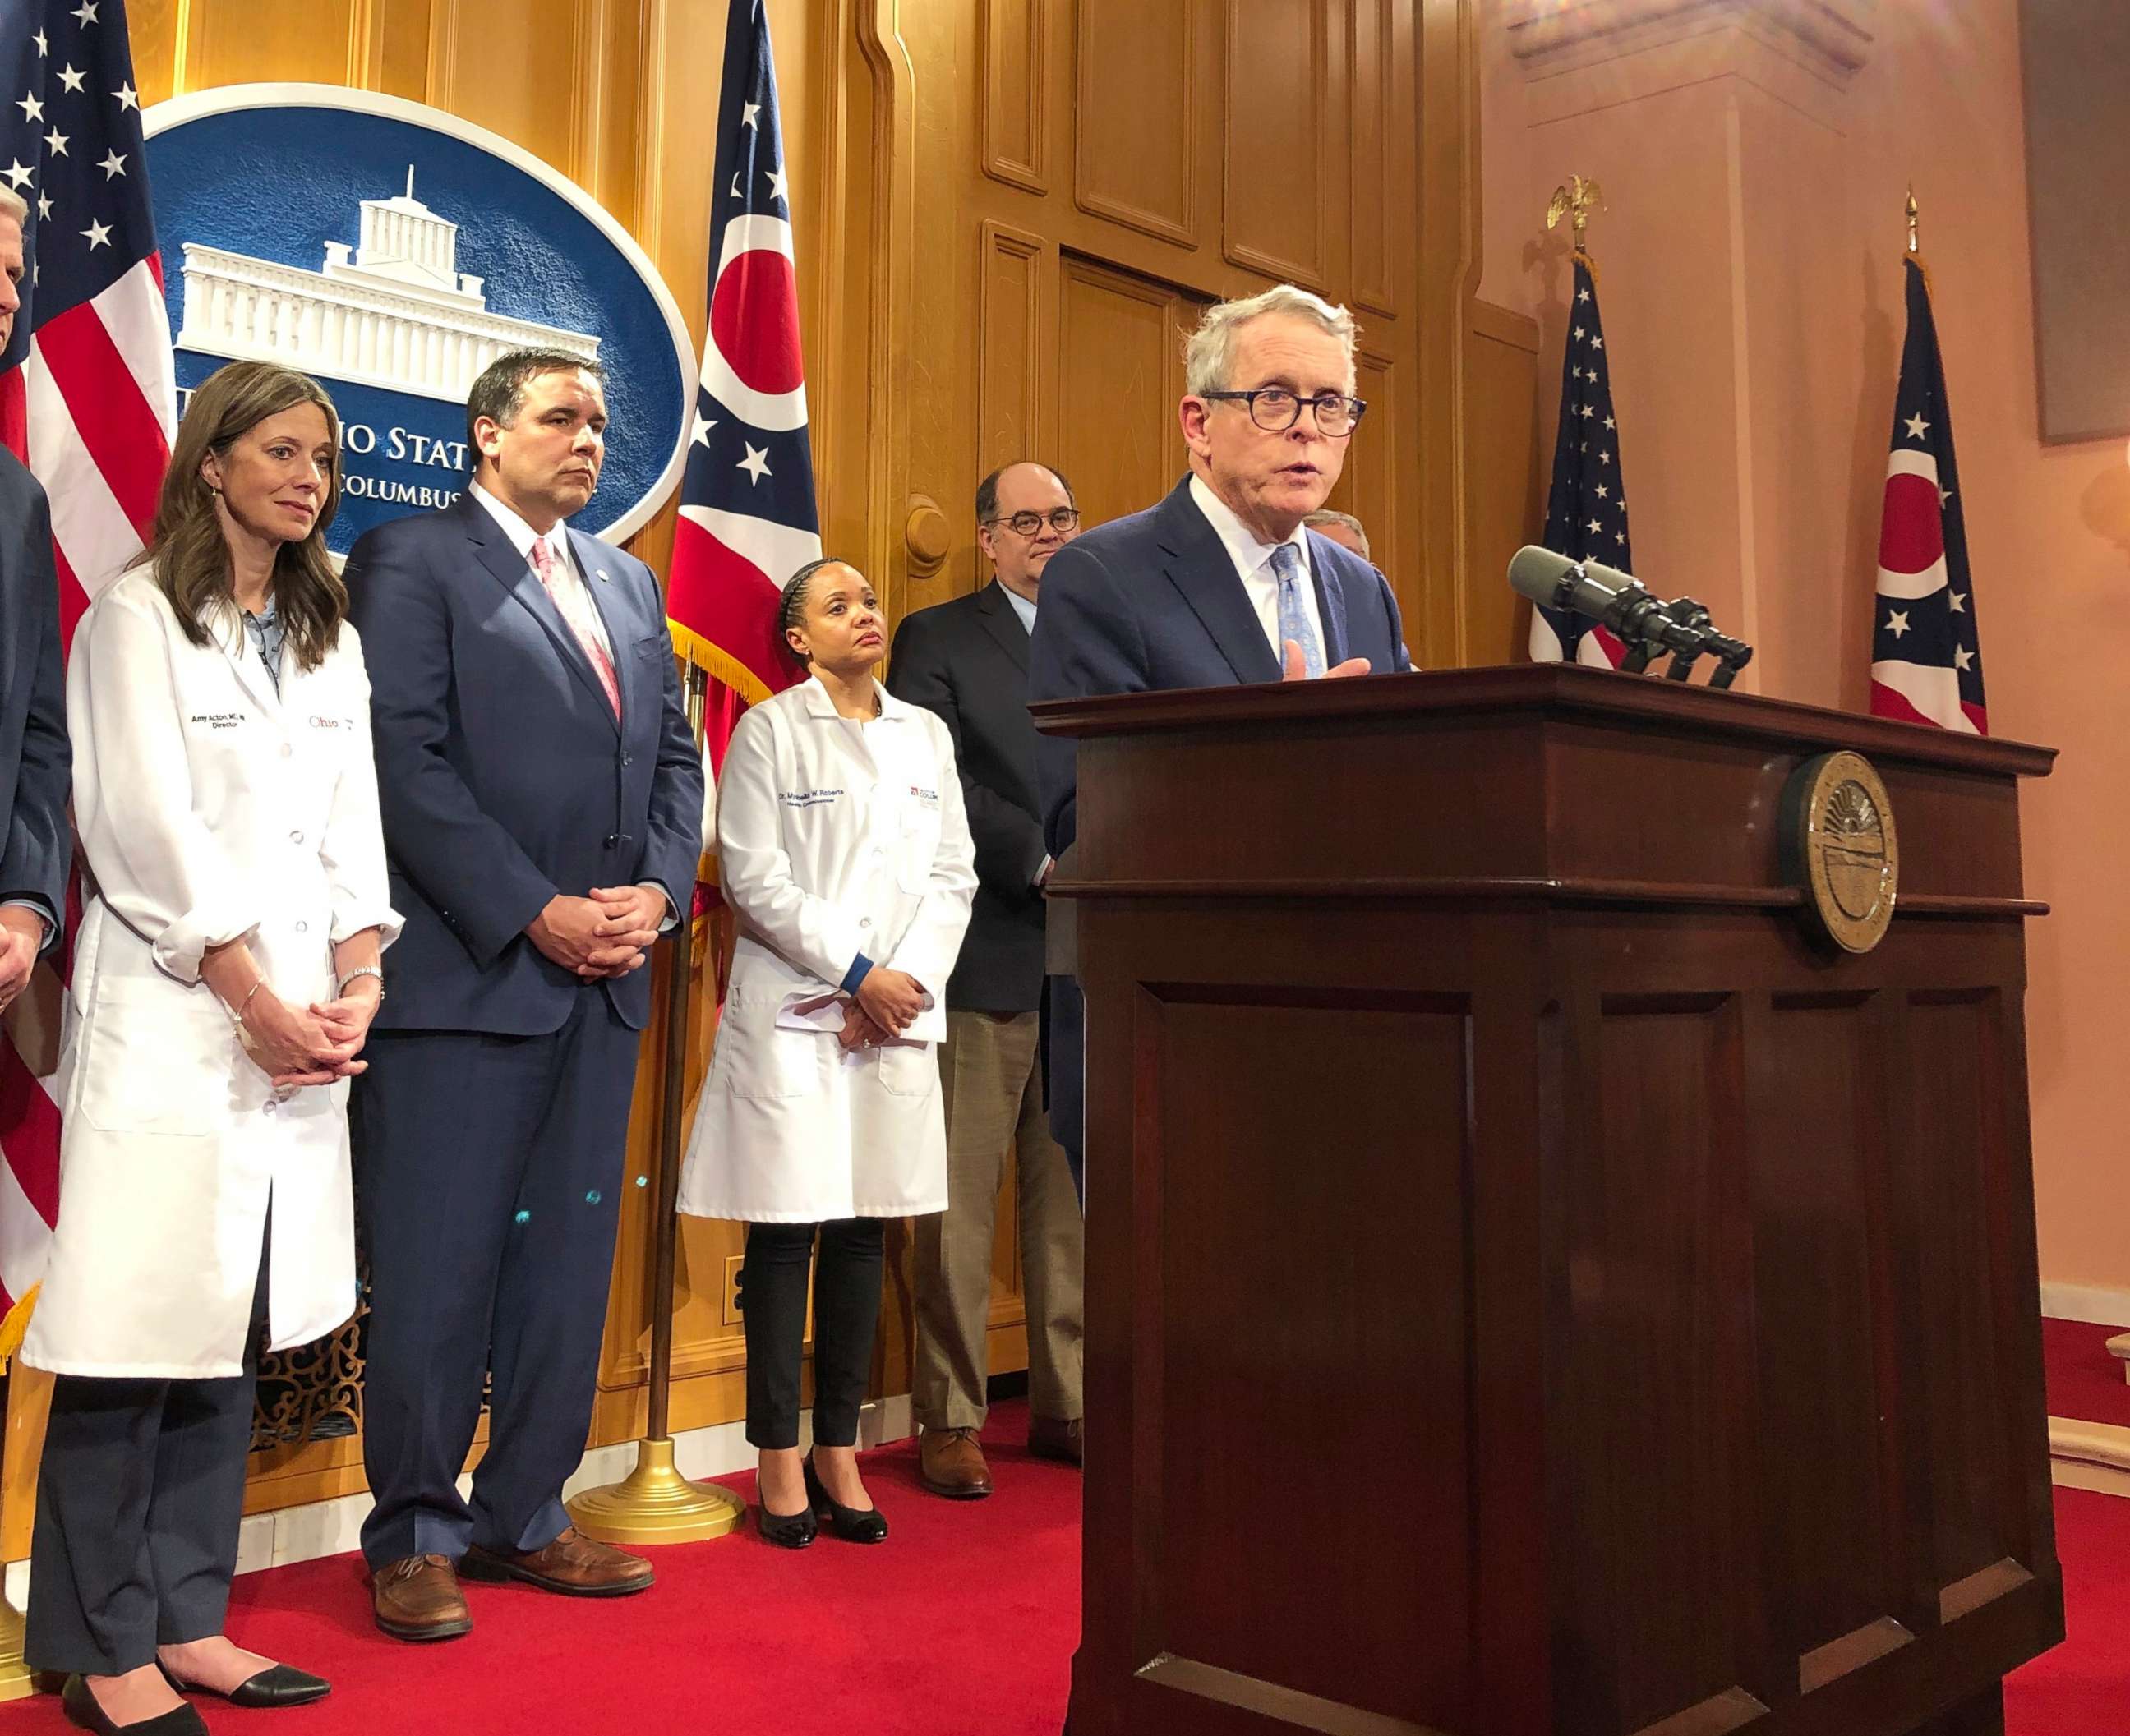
266,634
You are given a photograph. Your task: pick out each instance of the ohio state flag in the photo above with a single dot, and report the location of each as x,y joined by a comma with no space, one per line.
1925,650
747,517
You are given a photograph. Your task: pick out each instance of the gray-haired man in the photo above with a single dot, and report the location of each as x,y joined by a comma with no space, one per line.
1221,582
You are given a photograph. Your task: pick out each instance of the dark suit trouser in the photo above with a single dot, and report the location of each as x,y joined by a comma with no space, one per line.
1065,1053
773,1297
139,1498
489,1173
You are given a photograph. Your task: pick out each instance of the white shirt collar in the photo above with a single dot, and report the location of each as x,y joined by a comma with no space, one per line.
1023,606
1251,556
521,534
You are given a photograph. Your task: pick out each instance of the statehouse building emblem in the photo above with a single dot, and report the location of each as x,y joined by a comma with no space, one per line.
392,251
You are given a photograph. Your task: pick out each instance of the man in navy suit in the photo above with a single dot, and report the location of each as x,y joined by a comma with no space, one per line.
543,802
1220,584
36,766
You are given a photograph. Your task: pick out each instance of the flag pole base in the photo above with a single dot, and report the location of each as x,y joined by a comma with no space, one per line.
654,1504
17,1681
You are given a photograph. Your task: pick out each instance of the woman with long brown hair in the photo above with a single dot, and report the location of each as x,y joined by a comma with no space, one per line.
227,967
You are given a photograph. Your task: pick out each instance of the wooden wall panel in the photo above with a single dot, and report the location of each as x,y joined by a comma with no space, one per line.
1117,434
1503,497
1136,123
1016,94
528,85
1276,180
1011,324
223,45
1371,140
1368,488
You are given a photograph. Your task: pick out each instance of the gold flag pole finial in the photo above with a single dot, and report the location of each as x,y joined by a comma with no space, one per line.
1914,246
1574,201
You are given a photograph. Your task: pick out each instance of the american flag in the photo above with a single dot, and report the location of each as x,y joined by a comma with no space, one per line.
88,400
1926,654
1586,509
747,517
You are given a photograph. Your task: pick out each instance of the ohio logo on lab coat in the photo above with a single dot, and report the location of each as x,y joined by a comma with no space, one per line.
392,251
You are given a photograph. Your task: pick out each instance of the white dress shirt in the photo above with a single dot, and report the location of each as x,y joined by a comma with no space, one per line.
1253,566
572,594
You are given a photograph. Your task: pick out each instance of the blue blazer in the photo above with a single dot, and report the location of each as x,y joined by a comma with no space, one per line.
503,776
37,767
1153,601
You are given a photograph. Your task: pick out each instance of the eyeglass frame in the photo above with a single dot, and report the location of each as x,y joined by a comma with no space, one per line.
1043,520
1249,401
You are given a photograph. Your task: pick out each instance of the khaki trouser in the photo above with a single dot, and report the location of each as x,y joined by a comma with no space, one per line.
992,1081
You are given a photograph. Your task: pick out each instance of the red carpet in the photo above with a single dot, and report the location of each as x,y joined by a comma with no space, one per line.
2083,1687
962,1624
2085,1383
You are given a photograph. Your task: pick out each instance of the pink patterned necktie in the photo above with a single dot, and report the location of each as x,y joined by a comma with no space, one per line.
543,564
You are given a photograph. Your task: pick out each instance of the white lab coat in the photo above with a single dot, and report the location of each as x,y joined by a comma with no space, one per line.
834,838
208,809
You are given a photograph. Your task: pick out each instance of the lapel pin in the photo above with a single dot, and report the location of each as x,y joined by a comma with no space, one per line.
602,577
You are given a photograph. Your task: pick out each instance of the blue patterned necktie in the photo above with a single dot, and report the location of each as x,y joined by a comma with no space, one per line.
1294,622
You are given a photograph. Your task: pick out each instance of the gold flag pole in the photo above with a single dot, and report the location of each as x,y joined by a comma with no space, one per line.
654,1504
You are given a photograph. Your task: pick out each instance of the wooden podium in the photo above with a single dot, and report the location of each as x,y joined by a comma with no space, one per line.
1533,1286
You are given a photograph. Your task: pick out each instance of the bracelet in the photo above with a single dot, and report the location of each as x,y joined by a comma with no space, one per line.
236,1012
363,971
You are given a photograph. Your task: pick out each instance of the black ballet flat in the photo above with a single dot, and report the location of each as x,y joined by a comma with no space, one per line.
787,1530
853,1524
83,1712
275,1687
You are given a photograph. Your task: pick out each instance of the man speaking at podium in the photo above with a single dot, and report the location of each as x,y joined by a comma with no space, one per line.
1220,584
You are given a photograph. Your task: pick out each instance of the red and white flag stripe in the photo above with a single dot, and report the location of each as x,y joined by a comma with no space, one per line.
92,411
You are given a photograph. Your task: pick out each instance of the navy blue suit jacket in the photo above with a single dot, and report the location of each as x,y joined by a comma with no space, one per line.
37,767
1153,602
503,776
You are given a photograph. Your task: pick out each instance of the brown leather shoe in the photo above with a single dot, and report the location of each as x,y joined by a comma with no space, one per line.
950,1462
1053,1437
418,1597
573,1565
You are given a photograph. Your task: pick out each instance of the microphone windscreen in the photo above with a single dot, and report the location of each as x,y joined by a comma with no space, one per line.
1536,572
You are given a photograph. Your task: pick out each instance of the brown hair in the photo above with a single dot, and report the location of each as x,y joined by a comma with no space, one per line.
188,552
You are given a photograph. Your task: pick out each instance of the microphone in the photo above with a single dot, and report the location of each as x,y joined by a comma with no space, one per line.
1620,601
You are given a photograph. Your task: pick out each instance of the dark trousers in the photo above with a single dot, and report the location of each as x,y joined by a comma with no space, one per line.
772,1296
138,1501
1065,1057
489,1172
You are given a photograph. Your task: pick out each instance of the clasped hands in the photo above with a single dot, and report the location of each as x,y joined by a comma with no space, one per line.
604,935
886,1005
22,939
313,1045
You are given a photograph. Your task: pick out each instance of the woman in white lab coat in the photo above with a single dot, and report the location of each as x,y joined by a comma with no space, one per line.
844,850
225,976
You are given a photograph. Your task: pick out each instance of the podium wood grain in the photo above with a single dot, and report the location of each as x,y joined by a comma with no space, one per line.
1653,1346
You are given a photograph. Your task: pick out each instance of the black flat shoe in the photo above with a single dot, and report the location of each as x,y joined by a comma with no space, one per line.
83,1712
276,1686
787,1530
853,1524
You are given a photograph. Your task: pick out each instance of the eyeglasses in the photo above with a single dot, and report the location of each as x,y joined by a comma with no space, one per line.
1275,409
1063,520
